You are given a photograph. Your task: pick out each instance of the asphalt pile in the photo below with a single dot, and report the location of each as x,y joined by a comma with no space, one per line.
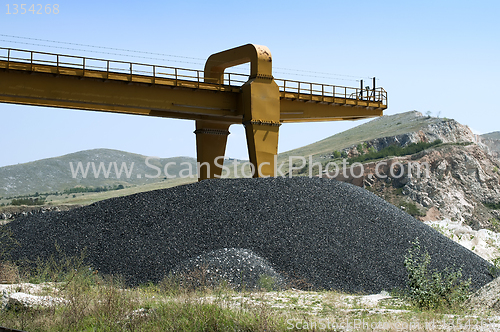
329,234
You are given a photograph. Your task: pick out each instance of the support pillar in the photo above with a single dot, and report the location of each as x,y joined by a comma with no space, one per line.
261,104
211,139
262,140
260,101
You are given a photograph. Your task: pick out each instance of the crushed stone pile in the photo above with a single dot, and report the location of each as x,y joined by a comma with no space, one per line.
235,267
329,234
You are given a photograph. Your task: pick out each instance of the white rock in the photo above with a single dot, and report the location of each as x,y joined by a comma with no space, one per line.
29,300
483,242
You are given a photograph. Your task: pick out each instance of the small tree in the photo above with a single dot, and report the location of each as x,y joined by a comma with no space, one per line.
432,289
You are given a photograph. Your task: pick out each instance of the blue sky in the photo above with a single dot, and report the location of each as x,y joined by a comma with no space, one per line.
431,56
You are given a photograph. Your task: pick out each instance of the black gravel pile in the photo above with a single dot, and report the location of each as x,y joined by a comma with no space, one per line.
330,234
234,267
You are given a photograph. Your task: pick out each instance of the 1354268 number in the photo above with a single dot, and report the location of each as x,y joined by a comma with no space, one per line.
37,9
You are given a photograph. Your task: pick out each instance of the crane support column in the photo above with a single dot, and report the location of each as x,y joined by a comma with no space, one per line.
260,102
211,139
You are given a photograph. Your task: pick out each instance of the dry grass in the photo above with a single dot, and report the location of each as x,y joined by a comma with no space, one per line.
103,303
9,273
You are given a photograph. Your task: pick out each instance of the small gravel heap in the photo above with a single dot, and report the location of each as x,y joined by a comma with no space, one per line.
486,299
330,234
237,268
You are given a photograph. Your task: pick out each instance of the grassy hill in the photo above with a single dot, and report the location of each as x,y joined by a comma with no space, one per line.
387,125
493,135
64,173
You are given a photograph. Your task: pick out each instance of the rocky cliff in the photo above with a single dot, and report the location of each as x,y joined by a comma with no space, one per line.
459,179
492,142
446,130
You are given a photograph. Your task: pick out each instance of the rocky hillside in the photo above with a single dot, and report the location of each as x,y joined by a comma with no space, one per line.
492,141
401,129
427,129
461,181
493,135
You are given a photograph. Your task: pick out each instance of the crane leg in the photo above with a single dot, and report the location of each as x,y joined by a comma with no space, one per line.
211,139
262,140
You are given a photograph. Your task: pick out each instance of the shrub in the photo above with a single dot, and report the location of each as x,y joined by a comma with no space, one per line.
412,209
494,224
493,206
394,150
28,201
431,289
360,148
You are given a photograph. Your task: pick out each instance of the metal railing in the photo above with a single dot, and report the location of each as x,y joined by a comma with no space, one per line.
299,90
306,90
115,66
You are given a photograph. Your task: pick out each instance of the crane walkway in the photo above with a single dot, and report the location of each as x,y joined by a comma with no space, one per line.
215,99
60,64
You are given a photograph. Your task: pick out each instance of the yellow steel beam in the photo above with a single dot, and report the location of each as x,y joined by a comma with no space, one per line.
299,111
132,97
159,91
259,57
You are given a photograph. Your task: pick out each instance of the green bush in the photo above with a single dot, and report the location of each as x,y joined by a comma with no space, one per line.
77,190
432,289
494,224
493,206
360,148
394,150
28,201
412,209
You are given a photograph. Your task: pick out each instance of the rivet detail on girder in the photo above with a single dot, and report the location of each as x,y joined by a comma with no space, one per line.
211,131
263,122
262,77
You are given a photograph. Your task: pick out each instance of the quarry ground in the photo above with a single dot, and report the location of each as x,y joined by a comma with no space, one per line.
290,310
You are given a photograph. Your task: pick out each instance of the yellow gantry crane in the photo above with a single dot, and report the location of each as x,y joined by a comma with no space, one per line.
213,98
